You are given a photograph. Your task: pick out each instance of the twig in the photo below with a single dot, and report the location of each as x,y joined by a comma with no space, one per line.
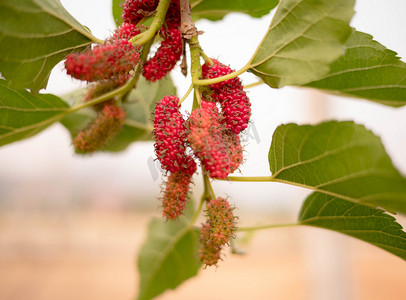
187,26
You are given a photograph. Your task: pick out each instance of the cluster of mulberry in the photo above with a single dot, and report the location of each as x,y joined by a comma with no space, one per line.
108,66
171,47
209,136
210,133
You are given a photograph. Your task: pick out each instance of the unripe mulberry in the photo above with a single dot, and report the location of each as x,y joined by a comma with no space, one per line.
135,10
206,141
106,126
219,228
220,216
175,194
170,136
208,255
103,61
234,102
166,57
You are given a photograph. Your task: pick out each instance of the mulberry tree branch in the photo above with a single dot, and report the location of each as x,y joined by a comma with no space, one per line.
187,26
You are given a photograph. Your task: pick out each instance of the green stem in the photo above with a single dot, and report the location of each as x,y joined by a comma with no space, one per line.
197,99
139,125
118,91
138,69
273,178
221,78
196,3
206,58
260,227
195,67
250,178
195,52
253,84
87,33
132,83
187,94
97,41
208,193
155,25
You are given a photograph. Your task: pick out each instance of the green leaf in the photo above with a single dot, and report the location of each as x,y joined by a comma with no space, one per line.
117,11
34,36
216,10
304,38
341,159
367,70
23,114
139,109
365,223
168,257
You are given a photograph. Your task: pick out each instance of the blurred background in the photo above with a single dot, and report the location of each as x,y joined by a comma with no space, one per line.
71,226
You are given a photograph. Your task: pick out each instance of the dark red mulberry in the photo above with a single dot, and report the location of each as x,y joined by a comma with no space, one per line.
166,57
172,17
236,107
135,10
170,136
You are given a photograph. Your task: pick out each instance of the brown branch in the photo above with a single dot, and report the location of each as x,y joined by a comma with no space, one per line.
183,65
187,27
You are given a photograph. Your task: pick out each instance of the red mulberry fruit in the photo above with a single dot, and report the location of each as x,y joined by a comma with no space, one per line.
206,141
172,17
135,10
166,57
236,107
234,148
103,61
170,136
125,31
